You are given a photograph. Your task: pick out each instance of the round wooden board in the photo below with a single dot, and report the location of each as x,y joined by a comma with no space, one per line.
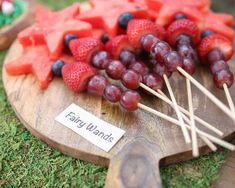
148,139
9,32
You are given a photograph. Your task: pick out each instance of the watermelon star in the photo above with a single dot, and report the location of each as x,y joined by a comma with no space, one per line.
104,15
55,34
36,61
43,15
219,23
165,10
51,28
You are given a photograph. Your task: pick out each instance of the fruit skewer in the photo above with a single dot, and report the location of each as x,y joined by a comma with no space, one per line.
120,48
115,69
137,30
75,75
215,50
183,34
160,49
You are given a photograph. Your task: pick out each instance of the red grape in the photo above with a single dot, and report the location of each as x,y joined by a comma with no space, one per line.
127,57
153,81
159,50
112,93
161,69
115,69
172,60
222,77
131,79
186,51
218,66
147,41
215,55
189,65
96,85
139,67
130,100
183,39
100,59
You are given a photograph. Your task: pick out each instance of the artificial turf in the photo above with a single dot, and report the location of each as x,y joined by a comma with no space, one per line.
27,162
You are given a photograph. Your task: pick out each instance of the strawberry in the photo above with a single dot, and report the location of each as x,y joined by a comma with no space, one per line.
117,44
83,48
183,26
215,41
76,75
137,28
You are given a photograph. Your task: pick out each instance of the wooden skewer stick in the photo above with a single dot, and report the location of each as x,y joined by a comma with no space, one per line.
174,121
229,98
199,120
193,126
183,127
163,97
206,140
216,101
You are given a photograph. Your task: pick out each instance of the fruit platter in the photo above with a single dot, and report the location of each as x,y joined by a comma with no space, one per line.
15,15
160,70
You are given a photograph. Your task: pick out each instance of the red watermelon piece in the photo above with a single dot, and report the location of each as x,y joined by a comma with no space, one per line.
164,11
32,35
219,24
66,58
104,15
45,16
51,28
36,61
225,18
97,33
55,34
170,8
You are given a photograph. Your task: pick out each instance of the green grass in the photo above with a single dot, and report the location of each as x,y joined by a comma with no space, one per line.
8,19
27,162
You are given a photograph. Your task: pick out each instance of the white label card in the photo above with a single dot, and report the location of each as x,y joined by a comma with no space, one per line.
95,130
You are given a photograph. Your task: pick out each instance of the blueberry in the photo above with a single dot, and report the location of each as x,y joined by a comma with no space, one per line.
206,34
105,38
180,16
68,38
124,19
56,67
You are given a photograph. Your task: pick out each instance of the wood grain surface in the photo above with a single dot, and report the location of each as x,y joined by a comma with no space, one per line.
149,141
8,33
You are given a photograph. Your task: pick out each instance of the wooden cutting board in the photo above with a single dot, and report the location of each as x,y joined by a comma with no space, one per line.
8,33
149,141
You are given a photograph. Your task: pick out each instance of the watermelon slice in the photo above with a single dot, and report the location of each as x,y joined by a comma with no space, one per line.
225,18
32,35
54,35
36,61
67,58
104,15
172,7
218,23
164,11
98,33
45,16
51,28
